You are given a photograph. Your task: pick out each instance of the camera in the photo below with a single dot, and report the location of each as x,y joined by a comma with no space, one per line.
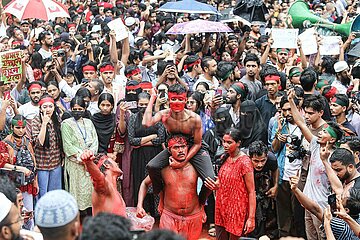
61,53
346,139
14,175
298,151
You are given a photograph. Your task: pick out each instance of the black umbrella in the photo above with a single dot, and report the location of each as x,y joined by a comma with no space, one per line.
251,10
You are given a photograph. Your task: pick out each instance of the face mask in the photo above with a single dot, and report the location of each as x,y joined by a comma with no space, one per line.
177,106
142,109
77,114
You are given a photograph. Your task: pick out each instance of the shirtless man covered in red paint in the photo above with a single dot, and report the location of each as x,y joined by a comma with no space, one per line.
182,212
105,197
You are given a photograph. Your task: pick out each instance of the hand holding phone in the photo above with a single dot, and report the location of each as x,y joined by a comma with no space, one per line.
332,202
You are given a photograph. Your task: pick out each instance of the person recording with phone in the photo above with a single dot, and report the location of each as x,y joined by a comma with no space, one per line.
162,99
344,203
168,74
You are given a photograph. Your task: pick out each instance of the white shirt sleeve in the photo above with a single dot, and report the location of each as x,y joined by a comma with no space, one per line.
70,92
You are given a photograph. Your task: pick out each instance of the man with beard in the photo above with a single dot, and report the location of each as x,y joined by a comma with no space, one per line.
317,185
342,81
255,30
104,174
107,76
182,211
237,93
227,72
209,67
10,220
31,109
192,68
290,213
96,87
252,63
47,41
338,107
178,120
282,58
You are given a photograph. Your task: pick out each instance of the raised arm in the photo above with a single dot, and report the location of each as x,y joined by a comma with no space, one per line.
98,177
298,118
148,119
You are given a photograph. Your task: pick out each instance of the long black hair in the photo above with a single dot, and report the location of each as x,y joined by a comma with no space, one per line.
56,122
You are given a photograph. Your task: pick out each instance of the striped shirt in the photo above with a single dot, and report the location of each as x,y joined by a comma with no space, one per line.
341,229
46,158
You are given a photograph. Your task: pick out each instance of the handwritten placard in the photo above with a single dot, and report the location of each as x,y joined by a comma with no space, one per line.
284,38
308,41
10,65
329,45
120,30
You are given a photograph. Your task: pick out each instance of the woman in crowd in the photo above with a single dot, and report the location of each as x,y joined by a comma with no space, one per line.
195,104
54,91
46,139
78,134
235,202
146,143
104,121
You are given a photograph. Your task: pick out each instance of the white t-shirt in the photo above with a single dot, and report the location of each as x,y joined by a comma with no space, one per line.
317,185
291,168
29,111
45,54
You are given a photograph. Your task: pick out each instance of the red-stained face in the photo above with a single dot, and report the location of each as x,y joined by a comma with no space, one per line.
179,151
230,145
177,102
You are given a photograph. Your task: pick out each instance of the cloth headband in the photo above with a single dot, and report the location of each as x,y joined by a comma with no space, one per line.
181,96
294,73
45,100
339,101
186,66
282,50
71,25
35,85
133,72
88,68
177,140
330,93
227,74
132,87
146,85
18,123
331,131
107,68
321,84
272,78
239,88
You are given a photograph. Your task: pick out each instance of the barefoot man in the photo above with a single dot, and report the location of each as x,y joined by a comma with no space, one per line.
182,212
104,174
178,120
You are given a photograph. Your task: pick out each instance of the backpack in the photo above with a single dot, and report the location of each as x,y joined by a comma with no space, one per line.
217,152
24,158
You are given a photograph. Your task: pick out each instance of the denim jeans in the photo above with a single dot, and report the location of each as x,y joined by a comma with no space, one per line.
49,180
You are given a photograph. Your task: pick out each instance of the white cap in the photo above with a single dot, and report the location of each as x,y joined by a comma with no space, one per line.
130,21
5,206
340,66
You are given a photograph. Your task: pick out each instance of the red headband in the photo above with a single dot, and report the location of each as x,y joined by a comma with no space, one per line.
132,87
272,78
107,68
35,85
177,140
181,96
70,25
186,66
330,93
88,68
45,100
133,72
146,85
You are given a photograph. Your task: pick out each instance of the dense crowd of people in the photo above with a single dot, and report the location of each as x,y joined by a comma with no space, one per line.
215,131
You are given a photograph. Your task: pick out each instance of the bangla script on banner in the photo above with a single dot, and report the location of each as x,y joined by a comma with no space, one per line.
10,65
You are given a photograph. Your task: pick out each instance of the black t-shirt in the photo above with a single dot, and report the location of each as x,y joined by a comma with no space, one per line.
263,179
270,165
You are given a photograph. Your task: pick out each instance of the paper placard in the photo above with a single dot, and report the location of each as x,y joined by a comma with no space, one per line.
330,45
284,38
10,66
120,29
308,41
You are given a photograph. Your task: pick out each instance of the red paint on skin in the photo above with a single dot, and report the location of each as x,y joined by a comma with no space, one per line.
230,145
